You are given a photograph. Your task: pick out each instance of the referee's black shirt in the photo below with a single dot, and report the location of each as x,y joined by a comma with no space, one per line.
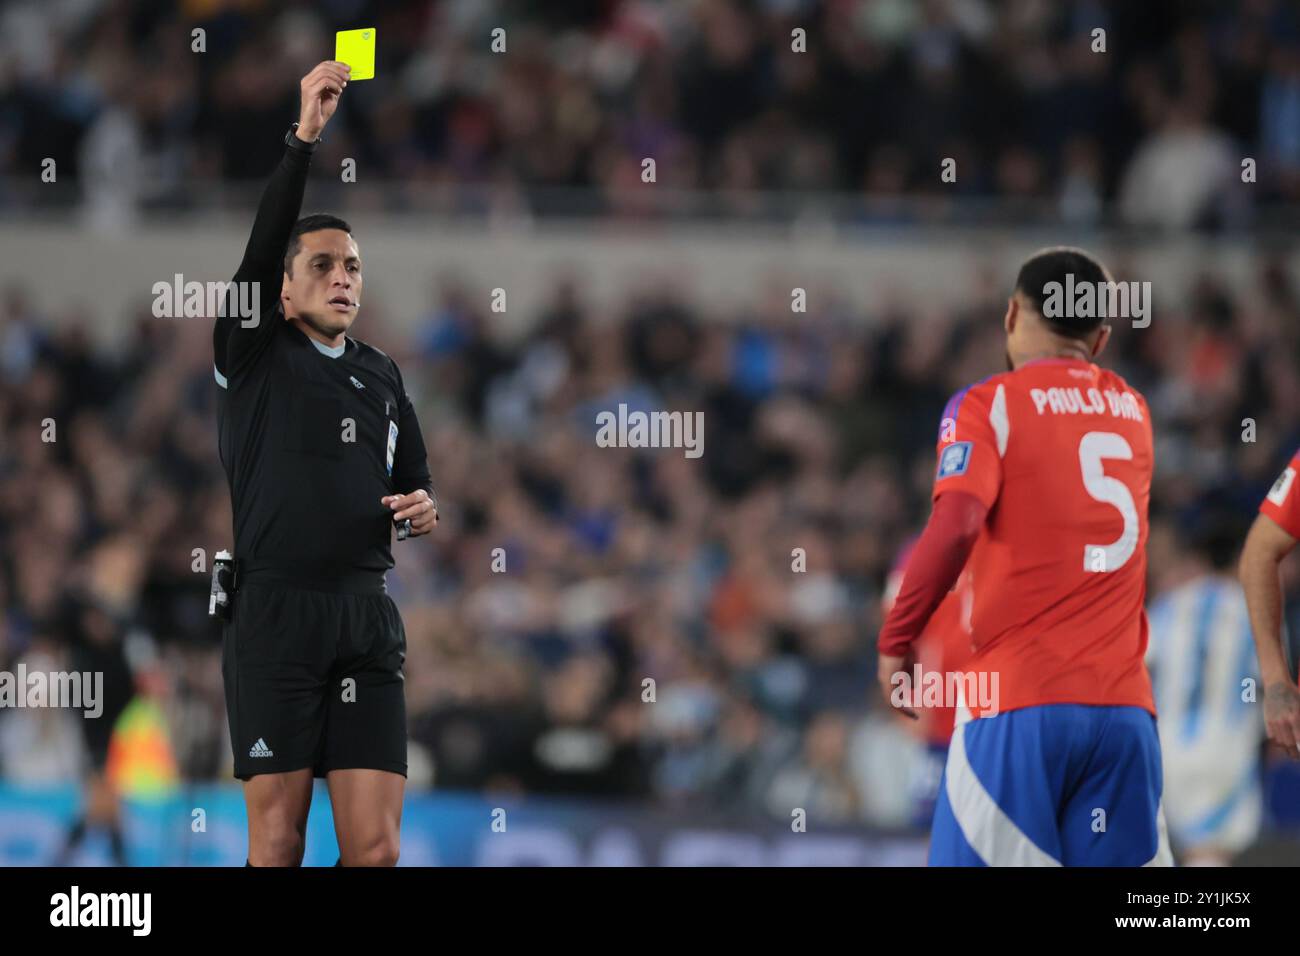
306,502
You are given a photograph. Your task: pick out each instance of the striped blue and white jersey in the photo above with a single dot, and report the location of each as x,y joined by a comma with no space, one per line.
1205,678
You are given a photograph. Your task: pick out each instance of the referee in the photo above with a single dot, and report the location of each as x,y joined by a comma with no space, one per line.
324,458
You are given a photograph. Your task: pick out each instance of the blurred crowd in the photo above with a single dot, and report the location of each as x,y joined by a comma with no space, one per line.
586,620
617,622
1148,123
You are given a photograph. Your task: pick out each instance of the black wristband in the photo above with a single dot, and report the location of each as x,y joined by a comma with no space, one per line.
291,139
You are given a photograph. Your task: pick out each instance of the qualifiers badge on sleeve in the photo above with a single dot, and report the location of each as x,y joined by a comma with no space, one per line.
392,445
954,460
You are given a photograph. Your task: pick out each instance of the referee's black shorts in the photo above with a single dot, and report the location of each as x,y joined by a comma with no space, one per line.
314,679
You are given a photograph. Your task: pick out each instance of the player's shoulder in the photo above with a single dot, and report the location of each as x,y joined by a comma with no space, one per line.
1075,382
1131,400
979,399
1037,375
1110,378
981,393
1070,373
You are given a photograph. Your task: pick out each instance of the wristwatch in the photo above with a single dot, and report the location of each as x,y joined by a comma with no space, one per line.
291,139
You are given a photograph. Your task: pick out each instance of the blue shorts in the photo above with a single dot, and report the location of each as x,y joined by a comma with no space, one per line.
926,784
1059,784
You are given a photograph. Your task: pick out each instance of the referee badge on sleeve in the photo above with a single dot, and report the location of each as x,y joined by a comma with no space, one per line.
954,460
392,445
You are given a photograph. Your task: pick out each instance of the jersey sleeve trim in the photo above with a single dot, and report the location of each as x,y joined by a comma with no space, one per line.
999,420
972,441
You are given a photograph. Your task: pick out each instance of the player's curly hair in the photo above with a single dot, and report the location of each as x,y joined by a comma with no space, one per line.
1053,265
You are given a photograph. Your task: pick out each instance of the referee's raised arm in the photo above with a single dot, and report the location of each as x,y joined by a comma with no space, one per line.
235,336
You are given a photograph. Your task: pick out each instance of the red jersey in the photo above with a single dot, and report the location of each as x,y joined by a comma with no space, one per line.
944,644
1060,451
1283,503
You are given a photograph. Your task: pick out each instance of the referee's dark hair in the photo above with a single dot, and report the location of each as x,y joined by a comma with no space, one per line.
312,223
1053,265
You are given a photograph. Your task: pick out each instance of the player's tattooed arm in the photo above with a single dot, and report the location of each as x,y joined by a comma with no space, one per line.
1260,573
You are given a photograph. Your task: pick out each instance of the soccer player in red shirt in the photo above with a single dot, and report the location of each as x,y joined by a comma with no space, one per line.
1041,492
1272,537
942,648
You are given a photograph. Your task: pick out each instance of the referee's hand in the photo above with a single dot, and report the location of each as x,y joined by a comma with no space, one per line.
321,89
417,506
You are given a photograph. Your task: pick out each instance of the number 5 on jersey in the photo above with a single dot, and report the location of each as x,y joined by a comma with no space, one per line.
1094,447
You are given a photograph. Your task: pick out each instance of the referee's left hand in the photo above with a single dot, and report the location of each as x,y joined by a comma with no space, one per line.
417,506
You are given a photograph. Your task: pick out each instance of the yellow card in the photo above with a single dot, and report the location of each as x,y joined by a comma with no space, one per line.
356,48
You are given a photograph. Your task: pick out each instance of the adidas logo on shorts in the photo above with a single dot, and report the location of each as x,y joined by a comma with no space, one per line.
260,749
